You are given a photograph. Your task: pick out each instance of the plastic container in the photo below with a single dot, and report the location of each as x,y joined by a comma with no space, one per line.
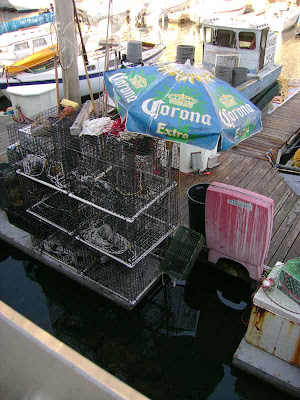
32,99
182,253
239,76
196,203
185,52
224,73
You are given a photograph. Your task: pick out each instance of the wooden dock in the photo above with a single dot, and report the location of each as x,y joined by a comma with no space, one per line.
247,166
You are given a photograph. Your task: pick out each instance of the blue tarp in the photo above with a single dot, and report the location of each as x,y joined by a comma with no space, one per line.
14,25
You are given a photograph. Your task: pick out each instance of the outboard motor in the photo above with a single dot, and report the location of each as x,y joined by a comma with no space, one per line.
134,52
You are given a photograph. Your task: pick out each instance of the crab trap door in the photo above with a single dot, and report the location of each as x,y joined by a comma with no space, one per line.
182,253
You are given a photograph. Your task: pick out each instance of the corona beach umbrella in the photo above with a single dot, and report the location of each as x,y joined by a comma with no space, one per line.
181,103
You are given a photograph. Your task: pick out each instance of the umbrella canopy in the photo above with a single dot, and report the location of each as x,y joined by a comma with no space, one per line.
181,103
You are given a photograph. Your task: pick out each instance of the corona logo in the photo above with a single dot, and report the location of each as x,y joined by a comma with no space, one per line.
184,73
182,100
227,100
138,82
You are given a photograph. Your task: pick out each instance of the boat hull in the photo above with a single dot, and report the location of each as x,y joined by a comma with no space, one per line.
201,10
281,25
95,76
264,79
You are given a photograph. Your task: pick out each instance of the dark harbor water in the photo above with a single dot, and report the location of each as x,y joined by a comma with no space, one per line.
177,345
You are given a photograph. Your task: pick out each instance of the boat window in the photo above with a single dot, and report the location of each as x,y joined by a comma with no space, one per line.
224,38
247,40
43,68
208,34
21,46
39,42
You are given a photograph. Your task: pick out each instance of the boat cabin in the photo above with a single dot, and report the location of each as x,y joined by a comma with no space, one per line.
22,43
237,43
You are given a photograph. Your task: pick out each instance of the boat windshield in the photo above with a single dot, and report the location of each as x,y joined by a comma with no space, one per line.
43,67
220,37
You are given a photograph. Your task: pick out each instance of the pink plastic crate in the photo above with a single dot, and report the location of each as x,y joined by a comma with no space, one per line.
238,225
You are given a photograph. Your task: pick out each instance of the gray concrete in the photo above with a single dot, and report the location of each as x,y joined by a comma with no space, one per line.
35,365
267,367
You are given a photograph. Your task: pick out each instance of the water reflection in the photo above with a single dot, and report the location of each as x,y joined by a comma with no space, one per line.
177,344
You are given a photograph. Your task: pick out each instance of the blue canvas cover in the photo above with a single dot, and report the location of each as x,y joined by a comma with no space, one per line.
11,26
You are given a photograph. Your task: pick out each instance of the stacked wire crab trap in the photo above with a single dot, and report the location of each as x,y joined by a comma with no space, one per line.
108,200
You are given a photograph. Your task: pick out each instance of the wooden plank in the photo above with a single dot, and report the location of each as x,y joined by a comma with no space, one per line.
279,194
264,168
251,174
287,242
267,179
271,184
278,237
245,166
283,212
222,176
83,115
294,250
233,170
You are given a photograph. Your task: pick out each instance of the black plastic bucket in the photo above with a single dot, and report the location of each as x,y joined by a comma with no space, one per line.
4,168
224,73
239,76
196,202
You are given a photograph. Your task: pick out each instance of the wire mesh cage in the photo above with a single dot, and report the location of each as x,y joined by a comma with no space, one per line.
123,174
34,149
12,202
49,205
130,285
182,253
129,242
32,137
63,248
11,196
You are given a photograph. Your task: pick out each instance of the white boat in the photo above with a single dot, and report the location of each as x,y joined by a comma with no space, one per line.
281,16
97,10
146,13
175,10
5,4
45,73
19,44
231,44
21,5
205,9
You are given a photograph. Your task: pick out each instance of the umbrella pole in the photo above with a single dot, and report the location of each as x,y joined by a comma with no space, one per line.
56,81
106,62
